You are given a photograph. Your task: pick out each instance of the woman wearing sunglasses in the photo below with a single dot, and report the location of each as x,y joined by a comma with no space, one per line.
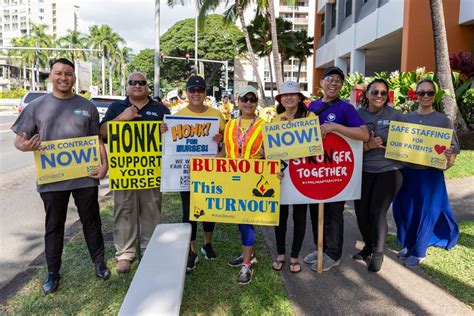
243,139
381,177
421,209
290,107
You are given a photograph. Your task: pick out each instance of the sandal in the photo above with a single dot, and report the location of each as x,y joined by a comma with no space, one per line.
280,263
294,265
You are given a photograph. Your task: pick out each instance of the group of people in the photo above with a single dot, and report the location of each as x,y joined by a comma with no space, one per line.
420,204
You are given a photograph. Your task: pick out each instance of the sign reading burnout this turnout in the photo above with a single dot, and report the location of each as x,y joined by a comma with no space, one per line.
66,159
134,155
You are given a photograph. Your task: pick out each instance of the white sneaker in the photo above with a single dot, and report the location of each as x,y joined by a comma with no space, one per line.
328,263
311,258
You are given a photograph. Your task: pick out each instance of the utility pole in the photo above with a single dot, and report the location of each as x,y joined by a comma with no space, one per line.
196,39
156,83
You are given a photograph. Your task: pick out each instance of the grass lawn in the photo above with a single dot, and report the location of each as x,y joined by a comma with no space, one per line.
462,167
452,269
210,289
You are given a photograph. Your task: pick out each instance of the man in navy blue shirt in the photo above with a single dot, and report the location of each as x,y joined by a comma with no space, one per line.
335,115
138,106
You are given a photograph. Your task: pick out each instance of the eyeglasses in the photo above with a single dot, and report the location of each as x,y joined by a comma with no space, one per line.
335,80
196,90
422,93
141,83
382,93
251,99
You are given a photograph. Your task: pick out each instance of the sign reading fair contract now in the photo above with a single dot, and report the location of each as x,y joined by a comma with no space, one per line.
287,140
419,144
66,159
240,191
134,155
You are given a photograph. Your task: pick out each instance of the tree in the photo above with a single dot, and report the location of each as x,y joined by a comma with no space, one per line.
27,56
74,39
443,70
275,50
144,63
303,48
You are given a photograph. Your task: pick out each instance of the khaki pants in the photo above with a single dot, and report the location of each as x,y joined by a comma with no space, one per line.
126,205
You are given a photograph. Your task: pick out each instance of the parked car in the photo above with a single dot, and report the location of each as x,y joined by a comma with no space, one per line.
102,102
28,97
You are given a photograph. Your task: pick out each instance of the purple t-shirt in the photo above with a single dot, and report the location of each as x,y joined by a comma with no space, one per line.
340,112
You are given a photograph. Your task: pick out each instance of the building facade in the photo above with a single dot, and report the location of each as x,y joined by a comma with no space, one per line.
369,36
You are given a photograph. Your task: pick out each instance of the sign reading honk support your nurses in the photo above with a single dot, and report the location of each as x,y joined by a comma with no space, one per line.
66,159
240,191
292,139
419,144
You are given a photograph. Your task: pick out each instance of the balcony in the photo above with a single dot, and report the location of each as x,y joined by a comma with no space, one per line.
300,21
284,8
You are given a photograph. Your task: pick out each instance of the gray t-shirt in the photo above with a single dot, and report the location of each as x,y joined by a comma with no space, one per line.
432,119
54,119
378,122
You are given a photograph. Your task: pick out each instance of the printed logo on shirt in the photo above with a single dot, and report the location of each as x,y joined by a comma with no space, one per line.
86,113
151,113
330,118
383,122
77,111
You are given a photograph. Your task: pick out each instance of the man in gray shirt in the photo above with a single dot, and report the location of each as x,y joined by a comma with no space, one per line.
61,115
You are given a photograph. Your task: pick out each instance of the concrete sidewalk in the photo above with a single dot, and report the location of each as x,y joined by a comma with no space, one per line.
350,289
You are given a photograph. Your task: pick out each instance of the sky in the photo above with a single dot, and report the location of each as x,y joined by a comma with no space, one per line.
133,19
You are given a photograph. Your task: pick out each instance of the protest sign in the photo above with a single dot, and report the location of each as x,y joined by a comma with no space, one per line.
187,136
134,155
334,176
419,144
66,159
295,139
241,191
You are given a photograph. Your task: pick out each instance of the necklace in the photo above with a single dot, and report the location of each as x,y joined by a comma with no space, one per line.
423,116
241,138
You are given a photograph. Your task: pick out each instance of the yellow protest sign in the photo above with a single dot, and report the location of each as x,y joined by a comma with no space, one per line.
419,144
134,155
295,139
66,159
241,191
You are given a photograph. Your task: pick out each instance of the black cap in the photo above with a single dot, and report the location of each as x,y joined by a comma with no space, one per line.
196,81
333,70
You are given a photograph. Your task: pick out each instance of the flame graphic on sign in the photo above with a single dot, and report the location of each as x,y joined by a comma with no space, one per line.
261,188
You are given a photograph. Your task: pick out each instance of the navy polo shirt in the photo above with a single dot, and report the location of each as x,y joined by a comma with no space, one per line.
152,111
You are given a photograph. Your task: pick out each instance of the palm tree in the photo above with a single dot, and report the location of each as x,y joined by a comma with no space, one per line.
40,39
276,56
443,70
74,39
123,55
302,49
27,56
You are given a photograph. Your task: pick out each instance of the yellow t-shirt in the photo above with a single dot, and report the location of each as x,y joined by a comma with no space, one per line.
211,112
282,116
226,109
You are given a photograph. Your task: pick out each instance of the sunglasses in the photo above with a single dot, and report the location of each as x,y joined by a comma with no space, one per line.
375,93
335,80
422,93
251,99
196,90
141,83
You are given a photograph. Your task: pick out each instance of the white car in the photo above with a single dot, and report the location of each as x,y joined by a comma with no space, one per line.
28,97
102,103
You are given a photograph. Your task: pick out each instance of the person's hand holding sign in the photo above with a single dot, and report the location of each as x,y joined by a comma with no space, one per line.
100,172
450,157
24,144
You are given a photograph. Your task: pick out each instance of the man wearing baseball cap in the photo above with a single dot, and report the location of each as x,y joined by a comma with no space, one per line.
196,94
335,115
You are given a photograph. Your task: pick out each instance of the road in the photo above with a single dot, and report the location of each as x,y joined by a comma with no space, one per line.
21,208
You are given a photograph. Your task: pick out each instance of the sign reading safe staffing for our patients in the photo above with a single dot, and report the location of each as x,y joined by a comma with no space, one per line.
333,176
187,136
295,139
134,155
240,191
66,159
419,144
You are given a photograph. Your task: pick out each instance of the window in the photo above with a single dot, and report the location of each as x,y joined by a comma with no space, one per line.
347,8
323,20
41,10
333,15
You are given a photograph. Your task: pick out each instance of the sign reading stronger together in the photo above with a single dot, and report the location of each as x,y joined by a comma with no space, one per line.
241,191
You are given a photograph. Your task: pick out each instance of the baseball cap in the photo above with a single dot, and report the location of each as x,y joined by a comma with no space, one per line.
333,70
196,81
247,89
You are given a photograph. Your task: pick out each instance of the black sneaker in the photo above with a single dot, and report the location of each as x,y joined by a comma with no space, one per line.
375,263
237,262
192,260
208,252
245,275
363,254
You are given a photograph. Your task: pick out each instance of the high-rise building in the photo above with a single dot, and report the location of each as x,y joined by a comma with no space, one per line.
369,36
302,16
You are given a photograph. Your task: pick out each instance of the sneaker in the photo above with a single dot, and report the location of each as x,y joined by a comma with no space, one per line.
237,262
192,260
208,252
403,254
363,254
375,263
413,261
245,275
328,263
311,258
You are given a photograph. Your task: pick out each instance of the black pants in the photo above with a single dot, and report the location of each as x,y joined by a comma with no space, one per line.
299,227
333,235
207,226
378,191
55,205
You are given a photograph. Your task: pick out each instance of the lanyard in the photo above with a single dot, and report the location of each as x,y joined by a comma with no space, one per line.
241,138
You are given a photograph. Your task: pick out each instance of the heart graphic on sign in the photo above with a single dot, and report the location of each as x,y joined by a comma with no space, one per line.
439,149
